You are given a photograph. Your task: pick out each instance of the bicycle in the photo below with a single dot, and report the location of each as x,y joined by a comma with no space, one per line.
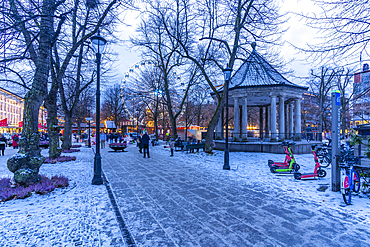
349,177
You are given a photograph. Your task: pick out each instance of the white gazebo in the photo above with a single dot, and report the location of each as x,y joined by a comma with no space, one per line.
257,84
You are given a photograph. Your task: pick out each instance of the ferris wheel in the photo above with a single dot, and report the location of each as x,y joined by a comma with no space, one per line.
144,79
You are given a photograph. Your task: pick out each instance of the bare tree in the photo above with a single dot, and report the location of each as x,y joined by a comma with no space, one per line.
225,29
321,85
36,27
344,29
114,104
162,25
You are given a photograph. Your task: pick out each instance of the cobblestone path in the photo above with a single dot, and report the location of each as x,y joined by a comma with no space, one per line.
169,201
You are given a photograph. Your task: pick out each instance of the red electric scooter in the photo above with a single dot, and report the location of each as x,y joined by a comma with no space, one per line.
288,156
317,172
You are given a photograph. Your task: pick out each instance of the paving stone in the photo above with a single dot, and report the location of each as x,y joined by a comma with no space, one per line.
182,204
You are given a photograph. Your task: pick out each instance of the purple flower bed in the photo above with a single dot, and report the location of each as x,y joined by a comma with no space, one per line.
44,186
44,144
76,146
117,144
59,159
71,151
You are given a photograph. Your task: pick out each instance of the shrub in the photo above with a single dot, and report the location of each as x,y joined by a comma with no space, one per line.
59,159
71,151
42,187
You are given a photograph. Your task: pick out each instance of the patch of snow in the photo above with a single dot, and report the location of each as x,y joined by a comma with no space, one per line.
79,215
252,170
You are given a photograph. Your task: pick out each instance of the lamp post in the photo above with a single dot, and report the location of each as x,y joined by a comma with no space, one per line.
157,92
98,44
89,119
227,74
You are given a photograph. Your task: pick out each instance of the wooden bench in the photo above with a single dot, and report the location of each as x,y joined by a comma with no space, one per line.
179,146
192,147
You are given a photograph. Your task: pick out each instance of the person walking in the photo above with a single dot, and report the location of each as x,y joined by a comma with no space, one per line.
116,136
2,144
103,138
172,146
15,138
111,137
309,135
139,143
145,140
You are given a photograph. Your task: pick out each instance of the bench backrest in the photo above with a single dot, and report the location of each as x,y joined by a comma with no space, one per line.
199,145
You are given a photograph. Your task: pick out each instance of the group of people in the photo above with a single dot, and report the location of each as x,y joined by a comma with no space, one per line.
3,142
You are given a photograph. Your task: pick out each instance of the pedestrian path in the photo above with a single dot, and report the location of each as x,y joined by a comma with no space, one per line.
169,201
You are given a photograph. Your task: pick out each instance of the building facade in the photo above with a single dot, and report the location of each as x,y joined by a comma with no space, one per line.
11,112
361,88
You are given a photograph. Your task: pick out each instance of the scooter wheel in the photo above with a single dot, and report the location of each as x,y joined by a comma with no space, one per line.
297,175
273,169
321,173
270,162
296,167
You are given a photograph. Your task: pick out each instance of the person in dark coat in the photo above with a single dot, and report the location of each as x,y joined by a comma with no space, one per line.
2,144
139,143
145,140
116,136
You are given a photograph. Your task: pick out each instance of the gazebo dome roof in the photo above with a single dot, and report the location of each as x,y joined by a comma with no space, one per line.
256,71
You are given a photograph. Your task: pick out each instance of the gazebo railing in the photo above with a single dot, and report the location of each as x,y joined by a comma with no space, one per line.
265,136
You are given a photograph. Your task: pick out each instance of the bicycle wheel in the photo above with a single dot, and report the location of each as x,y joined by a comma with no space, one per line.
347,196
324,160
356,182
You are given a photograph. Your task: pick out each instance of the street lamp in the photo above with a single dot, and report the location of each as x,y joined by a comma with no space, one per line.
98,44
89,119
157,92
227,74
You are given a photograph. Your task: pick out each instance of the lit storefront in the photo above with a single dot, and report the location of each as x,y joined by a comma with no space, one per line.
11,112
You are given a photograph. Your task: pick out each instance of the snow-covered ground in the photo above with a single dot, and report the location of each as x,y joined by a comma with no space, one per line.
83,215
252,169
80,215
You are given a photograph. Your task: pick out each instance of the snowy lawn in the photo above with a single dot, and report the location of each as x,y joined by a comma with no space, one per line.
79,215
252,170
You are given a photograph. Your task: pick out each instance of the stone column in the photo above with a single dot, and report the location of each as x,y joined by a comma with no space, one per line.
281,119
286,106
218,134
261,123
236,119
267,129
244,118
273,118
297,134
291,120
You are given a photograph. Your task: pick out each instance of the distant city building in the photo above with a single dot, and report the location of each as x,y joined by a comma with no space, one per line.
361,88
11,112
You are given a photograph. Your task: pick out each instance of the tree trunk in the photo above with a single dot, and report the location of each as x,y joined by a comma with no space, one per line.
212,125
67,135
26,163
52,120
